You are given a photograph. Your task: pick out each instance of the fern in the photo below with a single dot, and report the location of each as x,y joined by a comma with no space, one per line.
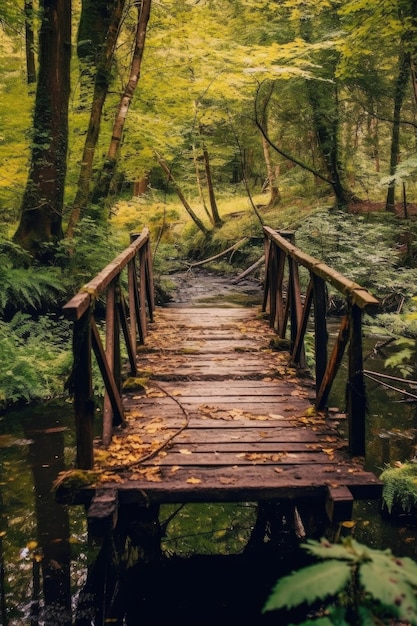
28,287
400,486
36,357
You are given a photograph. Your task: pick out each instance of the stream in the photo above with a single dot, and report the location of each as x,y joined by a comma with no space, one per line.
45,558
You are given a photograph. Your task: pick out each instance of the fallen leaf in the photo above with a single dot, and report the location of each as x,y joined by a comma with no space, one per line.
193,481
349,523
328,451
226,481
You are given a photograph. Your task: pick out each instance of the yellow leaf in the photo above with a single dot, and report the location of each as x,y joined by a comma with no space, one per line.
185,451
349,524
193,481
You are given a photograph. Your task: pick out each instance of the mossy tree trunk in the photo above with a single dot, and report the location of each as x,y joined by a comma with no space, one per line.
101,88
400,91
103,184
30,43
43,198
210,187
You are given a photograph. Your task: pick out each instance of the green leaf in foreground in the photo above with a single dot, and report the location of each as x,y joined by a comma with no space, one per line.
309,584
390,589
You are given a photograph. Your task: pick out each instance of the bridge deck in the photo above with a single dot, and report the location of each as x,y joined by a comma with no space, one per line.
223,418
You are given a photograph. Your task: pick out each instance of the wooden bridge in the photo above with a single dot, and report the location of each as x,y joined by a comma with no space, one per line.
215,404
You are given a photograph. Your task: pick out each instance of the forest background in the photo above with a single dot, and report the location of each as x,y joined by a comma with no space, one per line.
203,120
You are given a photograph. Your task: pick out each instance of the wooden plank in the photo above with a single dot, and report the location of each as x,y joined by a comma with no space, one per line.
102,513
186,456
339,503
215,435
230,435
247,483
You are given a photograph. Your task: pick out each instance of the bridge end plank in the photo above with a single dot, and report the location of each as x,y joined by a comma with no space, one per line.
339,503
102,512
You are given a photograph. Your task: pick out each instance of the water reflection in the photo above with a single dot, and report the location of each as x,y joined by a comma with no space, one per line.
36,587
50,575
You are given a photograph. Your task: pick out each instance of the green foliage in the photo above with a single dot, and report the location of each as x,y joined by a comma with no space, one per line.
24,286
364,248
91,249
353,584
403,359
206,528
400,486
36,357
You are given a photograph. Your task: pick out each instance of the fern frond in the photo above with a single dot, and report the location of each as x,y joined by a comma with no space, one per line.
400,486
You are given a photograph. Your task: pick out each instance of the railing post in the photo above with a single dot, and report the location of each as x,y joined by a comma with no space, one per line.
355,391
113,355
150,290
82,385
320,328
267,280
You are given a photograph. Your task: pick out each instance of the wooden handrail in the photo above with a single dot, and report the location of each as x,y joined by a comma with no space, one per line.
282,296
124,318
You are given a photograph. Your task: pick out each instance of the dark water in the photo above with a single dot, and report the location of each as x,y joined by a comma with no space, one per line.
205,575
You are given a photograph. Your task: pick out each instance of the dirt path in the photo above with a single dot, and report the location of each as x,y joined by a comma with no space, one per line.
203,288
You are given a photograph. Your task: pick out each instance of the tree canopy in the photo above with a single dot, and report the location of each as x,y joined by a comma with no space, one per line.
316,94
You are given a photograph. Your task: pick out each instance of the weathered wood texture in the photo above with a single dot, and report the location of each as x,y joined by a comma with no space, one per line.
282,299
130,318
237,421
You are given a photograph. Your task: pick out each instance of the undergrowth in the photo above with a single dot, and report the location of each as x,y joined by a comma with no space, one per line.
365,248
36,357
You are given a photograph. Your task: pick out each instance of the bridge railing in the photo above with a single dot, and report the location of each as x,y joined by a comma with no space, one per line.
289,308
125,317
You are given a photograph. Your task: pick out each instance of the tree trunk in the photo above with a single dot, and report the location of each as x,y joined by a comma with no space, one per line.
103,184
92,28
43,198
181,196
400,89
199,185
30,43
101,87
140,186
324,101
275,195
213,204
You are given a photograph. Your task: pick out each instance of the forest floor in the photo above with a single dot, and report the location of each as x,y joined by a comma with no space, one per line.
367,206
